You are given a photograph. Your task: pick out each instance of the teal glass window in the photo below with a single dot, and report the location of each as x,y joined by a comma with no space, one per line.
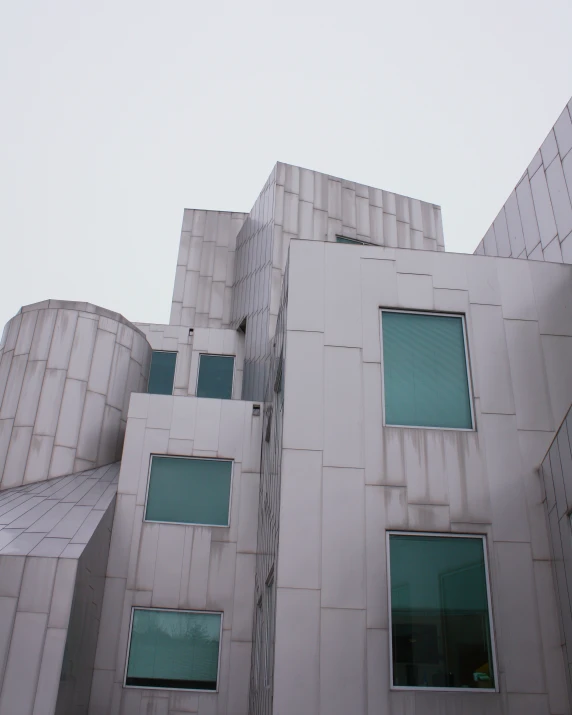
440,623
425,377
185,490
343,239
174,649
162,373
215,376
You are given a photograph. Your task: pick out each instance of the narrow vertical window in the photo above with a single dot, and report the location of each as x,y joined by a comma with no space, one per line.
440,612
215,376
162,373
425,375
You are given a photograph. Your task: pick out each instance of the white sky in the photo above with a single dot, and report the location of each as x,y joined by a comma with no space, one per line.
117,114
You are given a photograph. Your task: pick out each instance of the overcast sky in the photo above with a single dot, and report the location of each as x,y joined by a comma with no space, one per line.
117,114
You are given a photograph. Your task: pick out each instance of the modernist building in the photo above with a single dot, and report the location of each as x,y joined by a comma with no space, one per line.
339,481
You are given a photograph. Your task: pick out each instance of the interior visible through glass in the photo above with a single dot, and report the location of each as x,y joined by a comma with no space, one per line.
174,649
215,376
189,491
439,613
162,373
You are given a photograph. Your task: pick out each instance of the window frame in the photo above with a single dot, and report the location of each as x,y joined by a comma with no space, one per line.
434,313
189,523
176,353
199,373
449,535
175,610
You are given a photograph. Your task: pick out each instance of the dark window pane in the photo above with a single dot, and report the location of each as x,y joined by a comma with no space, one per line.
189,491
439,613
425,376
343,239
171,649
162,373
215,376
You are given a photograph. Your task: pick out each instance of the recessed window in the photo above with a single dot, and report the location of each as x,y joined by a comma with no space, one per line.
440,623
185,490
162,373
174,649
425,375
343,239
215,376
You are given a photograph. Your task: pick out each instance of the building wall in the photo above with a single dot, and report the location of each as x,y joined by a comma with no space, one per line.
556,471
299,203
536,221
347,479
189,344
84,621
261,680
202,294
66,373
54,537
178,566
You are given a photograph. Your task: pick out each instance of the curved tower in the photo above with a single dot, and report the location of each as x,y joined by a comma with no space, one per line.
67,370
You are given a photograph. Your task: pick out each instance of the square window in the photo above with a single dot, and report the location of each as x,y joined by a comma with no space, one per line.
162,373
425,375
174,649
440,623
185,490
215,376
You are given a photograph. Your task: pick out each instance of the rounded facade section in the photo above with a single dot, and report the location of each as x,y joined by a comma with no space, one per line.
67,371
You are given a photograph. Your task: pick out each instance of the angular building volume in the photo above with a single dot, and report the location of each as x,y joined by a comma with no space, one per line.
339,481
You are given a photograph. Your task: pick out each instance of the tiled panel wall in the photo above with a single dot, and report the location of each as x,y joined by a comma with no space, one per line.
202,294
251,292
314,206
66,373
556,470
536,221
173,338
261,681
59,539
85,617
346,479
299,203
178,566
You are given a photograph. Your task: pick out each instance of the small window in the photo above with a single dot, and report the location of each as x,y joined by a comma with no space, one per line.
162,373
174,649
185,490
215,376
425,375
440,623
343,239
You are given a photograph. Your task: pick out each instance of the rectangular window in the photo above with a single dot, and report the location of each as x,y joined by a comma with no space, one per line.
343,239
440,623
215,376
185,490
162,373
174,649
425,376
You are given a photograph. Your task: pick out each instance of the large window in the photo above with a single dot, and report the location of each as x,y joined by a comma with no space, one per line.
440,623
162,374
215,376
425,376
174,649
184,490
